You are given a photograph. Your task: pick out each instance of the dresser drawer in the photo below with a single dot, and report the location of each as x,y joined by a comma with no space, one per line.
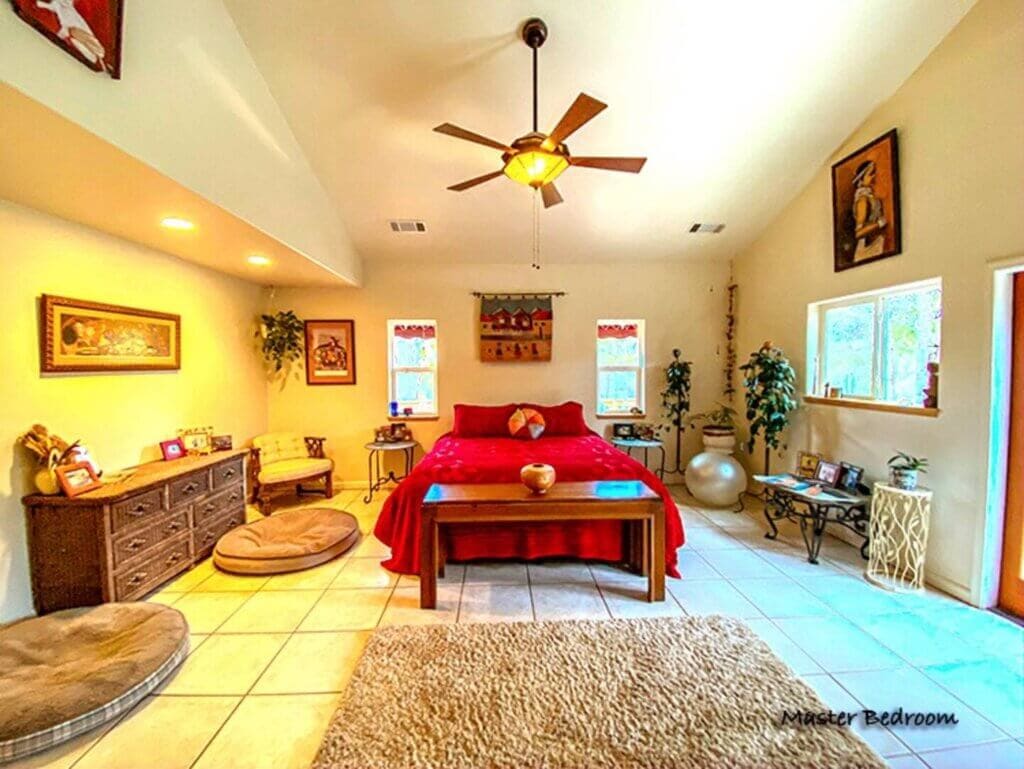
206,536
137,542
189,487
139,509
227,474
219,503
152,570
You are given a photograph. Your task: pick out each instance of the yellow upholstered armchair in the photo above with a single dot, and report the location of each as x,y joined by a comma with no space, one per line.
287,459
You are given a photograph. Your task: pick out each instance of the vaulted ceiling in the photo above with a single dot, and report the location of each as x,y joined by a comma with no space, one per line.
735,104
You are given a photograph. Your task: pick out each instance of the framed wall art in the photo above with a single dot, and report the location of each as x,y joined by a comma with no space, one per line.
89,30
516,327
330,352
78,335
866,204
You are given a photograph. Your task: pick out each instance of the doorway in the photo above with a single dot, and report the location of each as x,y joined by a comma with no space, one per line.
1011,578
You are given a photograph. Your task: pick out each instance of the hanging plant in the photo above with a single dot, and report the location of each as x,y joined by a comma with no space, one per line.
282,336
769,381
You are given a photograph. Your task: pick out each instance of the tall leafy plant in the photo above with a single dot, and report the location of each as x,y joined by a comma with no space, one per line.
282,337
675,398
769,380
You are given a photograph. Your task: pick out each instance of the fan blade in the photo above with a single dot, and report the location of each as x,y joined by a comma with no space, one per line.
473,182
462,133
584,109
550,195
629,165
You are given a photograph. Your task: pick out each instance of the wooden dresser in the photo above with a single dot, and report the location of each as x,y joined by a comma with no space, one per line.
123,540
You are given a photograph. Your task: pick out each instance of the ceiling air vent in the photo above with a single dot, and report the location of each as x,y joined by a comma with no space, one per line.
712,229
407,225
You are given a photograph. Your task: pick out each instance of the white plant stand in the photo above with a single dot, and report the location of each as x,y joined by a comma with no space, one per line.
899,537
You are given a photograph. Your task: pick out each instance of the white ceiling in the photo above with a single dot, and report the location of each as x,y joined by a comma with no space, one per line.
736,104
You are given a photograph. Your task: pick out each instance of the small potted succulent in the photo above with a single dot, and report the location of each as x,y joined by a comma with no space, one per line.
904,469
719,430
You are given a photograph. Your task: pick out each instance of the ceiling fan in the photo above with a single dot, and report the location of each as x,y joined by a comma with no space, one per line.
537,159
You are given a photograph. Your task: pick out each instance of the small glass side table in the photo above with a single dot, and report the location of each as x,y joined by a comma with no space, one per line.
899,537
628,444
377,477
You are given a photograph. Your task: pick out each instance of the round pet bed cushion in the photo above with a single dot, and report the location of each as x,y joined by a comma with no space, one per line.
70,671
290,541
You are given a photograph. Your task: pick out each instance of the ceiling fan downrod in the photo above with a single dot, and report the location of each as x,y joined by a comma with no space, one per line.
535,32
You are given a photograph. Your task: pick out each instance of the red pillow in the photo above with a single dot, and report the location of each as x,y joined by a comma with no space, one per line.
481,421
563,419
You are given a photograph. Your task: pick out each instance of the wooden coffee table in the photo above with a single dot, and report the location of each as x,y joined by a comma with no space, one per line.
629,501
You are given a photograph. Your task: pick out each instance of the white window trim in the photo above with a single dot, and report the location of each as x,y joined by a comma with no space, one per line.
816,334
640,369
392,370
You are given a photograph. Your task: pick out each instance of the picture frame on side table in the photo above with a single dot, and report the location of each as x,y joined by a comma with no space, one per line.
221,443
623,430
77,478
827,472
850,477
807,463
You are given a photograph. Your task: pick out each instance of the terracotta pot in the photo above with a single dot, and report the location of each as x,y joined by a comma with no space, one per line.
538,478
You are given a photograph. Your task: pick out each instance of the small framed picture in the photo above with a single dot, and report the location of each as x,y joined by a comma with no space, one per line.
849,477
622,429
827,472
807,464
172,449
77,478
221,443
197,440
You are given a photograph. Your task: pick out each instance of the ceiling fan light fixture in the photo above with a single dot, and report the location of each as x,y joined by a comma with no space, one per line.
535,168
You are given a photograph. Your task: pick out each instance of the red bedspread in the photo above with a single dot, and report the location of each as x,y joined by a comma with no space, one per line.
498,460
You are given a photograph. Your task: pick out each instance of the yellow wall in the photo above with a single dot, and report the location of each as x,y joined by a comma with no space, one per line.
960,119
683,304
120,416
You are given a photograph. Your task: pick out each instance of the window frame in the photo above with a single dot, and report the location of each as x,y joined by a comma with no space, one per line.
393,370
817,336
639,369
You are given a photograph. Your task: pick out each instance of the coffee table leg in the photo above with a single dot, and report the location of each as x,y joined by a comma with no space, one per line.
656,579
428,559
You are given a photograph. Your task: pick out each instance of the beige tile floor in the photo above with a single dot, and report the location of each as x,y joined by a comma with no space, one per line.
270,656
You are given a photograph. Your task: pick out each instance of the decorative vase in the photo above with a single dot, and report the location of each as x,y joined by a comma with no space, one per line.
46,481
714,477
903,478
538,478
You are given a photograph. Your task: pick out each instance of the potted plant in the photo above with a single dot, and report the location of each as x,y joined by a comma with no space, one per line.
904,469
719,429
769,381
675,401
283,335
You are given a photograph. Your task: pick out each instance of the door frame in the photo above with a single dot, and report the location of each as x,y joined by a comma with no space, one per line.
989,556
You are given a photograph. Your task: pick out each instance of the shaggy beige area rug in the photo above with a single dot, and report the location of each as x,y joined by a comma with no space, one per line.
688,693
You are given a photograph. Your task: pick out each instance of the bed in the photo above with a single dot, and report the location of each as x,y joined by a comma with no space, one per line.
479,449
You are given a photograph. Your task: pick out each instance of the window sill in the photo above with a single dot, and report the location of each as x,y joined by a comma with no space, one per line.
620,416
416,418
854,403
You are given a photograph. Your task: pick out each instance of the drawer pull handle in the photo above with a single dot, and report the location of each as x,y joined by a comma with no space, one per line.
172,559
189,488
234,497
137,578
140,508
174,525
210,507
229,473
135,544
209,535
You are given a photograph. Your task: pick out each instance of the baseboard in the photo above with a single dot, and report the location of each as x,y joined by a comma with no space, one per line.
946,585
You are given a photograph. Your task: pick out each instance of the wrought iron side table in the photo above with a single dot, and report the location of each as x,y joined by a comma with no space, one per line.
899,537
791,497
377,477
628,444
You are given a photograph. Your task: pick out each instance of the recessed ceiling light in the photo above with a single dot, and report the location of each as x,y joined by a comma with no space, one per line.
177,223
258,259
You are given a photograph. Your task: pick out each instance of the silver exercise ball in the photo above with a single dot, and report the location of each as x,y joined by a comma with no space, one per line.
716,479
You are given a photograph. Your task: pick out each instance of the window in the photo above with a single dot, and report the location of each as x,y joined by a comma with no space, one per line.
412,366
620,367
877,346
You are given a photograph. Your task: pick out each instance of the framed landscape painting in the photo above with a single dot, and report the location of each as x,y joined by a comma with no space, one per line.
78,335
330,352
89,30
866,204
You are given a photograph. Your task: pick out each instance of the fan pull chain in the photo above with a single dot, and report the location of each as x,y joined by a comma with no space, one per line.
536,229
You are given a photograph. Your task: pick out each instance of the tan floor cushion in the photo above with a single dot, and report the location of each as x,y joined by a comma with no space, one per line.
294,470
70,671
299,539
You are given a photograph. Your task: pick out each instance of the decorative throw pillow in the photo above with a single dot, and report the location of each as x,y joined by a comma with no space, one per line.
526,423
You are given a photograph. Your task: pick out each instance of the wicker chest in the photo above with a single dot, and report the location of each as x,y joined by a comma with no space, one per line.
124,540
